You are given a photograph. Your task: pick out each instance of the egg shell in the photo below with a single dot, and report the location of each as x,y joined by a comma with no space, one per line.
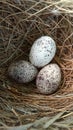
48,79
42,51
22,71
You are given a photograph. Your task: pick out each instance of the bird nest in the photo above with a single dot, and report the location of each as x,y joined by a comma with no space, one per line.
21,23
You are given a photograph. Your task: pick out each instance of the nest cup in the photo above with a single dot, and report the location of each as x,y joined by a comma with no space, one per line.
21,25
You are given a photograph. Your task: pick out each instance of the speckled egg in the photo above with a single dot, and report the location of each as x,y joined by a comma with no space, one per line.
22,71
48,79
42,51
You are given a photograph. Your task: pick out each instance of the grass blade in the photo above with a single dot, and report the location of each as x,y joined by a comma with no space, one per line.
51,121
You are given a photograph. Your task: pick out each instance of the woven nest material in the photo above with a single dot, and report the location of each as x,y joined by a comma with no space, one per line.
21,23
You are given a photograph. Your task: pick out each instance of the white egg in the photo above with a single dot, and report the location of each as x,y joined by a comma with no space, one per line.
48,79
42,51
22,71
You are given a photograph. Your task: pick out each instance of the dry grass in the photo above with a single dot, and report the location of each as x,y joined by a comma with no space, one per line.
21,22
